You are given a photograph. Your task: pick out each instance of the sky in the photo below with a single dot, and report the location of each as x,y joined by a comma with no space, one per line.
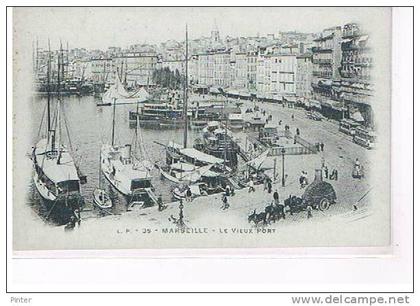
99,28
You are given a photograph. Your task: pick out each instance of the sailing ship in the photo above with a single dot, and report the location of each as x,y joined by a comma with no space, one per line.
118,94
128,174
56,177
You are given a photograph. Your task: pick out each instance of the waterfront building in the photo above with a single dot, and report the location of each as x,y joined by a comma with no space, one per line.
326,60
304,77
205,69
276,77
135,69
239,68
356,89
252,57
327,54
101,70
222,75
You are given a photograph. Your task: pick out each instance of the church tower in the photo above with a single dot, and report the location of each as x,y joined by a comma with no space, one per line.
215,37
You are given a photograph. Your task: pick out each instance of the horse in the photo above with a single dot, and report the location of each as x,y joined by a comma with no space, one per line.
258,218
294,203
272,213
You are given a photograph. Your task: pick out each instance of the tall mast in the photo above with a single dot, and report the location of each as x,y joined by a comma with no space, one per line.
113,124
225,140
186,89
37,58
48,88
58,123
67,59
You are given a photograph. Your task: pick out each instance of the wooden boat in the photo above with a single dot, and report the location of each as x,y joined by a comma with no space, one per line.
101,199
180,192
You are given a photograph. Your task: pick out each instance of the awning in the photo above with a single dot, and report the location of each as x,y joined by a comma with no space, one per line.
258,161
333,104
290,99
315,103
363,38
200,86
357,116
214,90
244,94
200,156
325,83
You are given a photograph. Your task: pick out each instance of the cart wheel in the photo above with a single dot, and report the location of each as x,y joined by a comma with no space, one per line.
324,204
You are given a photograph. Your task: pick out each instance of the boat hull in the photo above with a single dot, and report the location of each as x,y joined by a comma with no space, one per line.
168,176
140,194
58,210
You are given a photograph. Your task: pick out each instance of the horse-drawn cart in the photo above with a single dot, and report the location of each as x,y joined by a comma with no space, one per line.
319,195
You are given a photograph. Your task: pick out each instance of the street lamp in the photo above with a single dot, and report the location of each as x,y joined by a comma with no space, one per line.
282,168
181,215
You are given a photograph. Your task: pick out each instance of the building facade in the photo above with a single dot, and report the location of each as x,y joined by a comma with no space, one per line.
101,70
356,88
252,57
326,59
135,69
276,76
239,67
304,76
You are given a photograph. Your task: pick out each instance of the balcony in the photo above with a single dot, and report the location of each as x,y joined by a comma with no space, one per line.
322,74
354,75
361,99
321,49
351,33
323,61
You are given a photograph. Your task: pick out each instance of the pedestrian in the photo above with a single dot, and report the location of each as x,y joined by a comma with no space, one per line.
309,211
305,178
78,217
269,186
317,146
189,195
334,175
160,203
293,117
297,131
265,183
322,146
251,186
301,180
279,122
227,191
276,197
326,172
225,204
